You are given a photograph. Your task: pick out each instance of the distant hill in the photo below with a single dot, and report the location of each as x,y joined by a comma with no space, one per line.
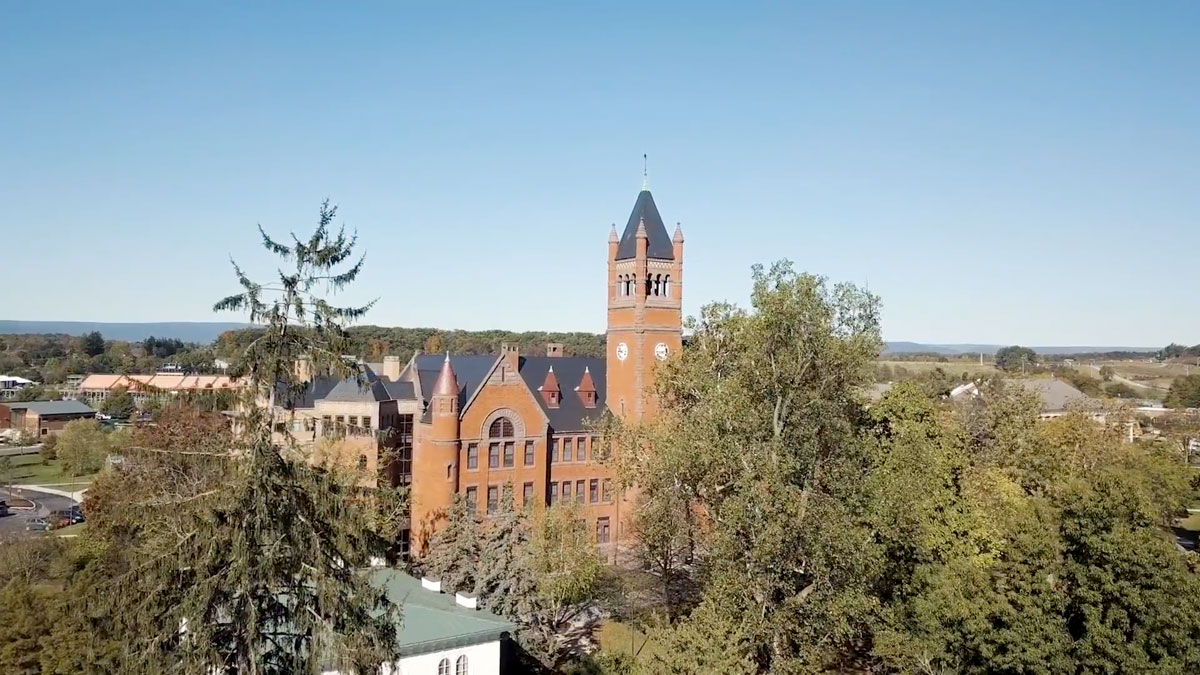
955,349
188,331
207,331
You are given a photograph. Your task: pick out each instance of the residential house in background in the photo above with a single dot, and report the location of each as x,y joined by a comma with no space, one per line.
1058,397
11,385
42,418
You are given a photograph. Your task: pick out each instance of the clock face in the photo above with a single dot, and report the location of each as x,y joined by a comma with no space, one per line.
661,352
622,351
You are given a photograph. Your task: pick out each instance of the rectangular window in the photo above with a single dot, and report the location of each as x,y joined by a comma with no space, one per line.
553,450
341,420
593,490
528,453
367,422
553,492
494,456
602,530
567,454
354,420
566,492
579,491
606,491
472,498
473,456
580,449
493,499
326,425
527,494
508,454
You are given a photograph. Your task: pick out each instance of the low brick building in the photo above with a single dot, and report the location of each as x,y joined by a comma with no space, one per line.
42,418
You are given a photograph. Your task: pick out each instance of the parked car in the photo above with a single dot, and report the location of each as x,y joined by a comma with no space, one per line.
37,525
76,513
62,519
3,508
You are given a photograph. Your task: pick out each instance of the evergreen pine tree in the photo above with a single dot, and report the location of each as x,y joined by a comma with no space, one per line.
454,550
258,576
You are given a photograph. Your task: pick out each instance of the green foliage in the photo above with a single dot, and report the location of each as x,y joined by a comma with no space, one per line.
1081,381
38,392
1184,392
49,449
1015,359
83,446
454,550
119,403
1121,390
760,428
537,568
93,344
1106,373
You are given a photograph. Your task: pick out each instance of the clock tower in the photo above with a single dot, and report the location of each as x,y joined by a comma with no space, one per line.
645,316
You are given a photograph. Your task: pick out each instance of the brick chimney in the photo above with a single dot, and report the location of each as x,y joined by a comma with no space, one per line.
551,394
554,349
512,359
391,367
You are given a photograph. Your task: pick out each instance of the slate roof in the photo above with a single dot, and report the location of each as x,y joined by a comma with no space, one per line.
52,407
570,415
434,621
659,243
470,370
1057,395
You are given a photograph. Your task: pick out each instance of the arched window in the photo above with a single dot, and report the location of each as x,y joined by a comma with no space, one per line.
444,667
460,665
649,284
624,284
658,284
667,286
501,428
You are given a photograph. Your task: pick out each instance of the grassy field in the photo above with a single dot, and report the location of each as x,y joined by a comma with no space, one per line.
952,367
1191,523
71,530
618,637
29,470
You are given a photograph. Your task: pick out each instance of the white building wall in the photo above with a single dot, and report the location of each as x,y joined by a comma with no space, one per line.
482,659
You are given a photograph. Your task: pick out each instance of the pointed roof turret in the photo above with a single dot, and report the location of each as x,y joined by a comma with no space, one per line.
612,234
678,237
587,389
551,394
645,214
447,383
585,383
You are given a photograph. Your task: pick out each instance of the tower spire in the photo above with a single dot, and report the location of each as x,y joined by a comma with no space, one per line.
645,172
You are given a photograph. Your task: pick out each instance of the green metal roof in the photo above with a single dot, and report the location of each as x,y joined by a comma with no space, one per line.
434,621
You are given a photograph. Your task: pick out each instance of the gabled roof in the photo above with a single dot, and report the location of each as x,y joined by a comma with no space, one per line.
571,414
1057,395
659,242
52,407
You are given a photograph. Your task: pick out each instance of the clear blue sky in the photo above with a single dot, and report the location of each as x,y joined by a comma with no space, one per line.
997,172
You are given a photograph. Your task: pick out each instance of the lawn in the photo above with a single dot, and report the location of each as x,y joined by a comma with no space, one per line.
29,470
1191,523
619,637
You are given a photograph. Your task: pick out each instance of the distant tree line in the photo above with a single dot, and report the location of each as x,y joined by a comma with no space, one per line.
49,359
375,342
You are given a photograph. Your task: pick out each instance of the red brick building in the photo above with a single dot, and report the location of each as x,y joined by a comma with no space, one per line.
523,419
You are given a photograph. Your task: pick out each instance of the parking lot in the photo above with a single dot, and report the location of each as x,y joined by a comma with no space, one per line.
13,525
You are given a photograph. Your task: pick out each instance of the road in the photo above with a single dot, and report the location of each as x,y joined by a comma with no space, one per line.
14,525
23,450
1132,383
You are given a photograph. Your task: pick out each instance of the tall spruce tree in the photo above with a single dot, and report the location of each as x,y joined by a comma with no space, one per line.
259,575
453,555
